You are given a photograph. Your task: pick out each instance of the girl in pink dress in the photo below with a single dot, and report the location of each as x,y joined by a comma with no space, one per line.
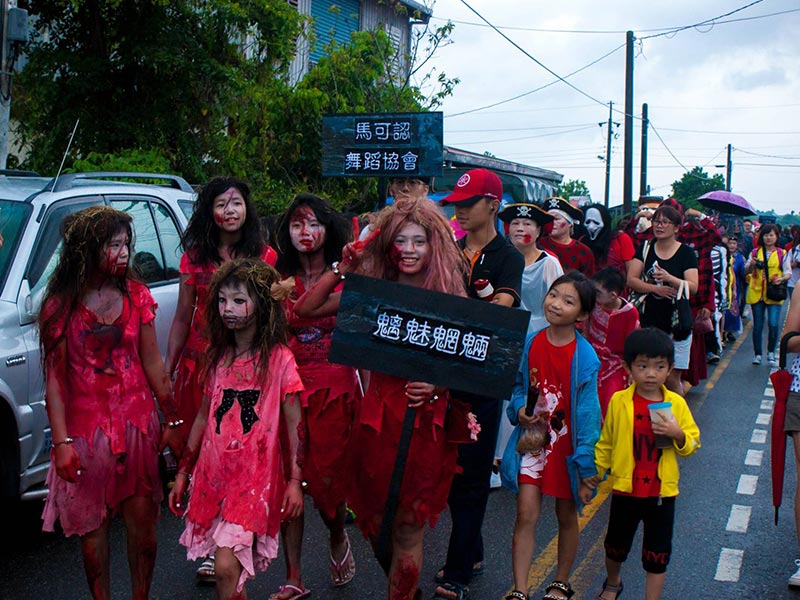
102,368
412,243
224,225
242,453
310,238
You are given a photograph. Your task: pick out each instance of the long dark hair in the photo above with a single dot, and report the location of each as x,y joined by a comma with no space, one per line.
84,235
202,233
337,233
271,324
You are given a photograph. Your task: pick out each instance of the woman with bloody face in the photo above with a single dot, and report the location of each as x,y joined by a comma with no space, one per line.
310,238
224,225
411,244
102,368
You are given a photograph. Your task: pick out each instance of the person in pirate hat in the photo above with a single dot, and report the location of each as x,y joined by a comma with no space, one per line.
572,254
524,224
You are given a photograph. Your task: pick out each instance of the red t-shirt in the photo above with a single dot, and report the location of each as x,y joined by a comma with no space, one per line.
645,454
575,256
550,368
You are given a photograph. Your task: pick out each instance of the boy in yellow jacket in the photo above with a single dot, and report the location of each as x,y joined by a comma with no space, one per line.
644,472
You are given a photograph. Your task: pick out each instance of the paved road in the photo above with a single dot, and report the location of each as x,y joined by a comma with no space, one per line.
726,544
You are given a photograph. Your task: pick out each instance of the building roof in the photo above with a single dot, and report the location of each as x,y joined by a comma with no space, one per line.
425,12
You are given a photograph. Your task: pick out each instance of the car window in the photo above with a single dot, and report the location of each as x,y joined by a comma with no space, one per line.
13,216
187,206
170,240
48,243
147,260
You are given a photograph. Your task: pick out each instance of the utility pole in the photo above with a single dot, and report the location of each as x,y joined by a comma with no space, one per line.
643,188
728,170
609,137
627,187
14,32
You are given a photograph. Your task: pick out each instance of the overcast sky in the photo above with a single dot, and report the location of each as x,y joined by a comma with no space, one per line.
731,83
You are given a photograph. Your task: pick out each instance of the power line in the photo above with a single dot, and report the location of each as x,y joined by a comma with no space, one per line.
704,131
718,108
449,131
523,110
767,155
768,165
701,23
540,88
533,58
612,31
530,137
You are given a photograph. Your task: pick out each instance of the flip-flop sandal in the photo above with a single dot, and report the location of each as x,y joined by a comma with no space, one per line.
206,572
607,587
444,591
297,592
343,571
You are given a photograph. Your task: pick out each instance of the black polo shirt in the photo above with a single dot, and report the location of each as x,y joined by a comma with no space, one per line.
500,263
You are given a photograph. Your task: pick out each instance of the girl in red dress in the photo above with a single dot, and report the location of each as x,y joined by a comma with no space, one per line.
102,368
224,225
310,237
558,377
412,244
245,438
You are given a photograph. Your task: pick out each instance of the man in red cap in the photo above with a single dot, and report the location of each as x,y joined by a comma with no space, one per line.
495,275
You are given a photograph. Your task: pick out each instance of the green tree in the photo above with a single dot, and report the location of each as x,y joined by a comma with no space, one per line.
694,184
205,85
573,187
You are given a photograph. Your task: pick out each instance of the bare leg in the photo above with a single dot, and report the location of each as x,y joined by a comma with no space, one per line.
796,444
654,585
335,526
529,505
613,571
406,556
292,533
139,515
673,382
94,547
568,532
228,571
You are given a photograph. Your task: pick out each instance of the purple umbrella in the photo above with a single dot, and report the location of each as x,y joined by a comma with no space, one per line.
727,202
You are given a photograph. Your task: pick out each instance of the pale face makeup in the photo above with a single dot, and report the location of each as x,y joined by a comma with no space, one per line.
305,231
236,307
593,223
523,232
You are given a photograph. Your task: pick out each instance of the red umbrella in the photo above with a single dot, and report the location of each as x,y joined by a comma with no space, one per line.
781,380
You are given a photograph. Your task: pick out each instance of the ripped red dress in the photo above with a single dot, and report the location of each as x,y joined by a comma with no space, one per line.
431,462
329,405
188,390
239,481
110,414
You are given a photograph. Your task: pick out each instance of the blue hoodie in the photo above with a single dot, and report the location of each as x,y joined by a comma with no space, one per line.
584,416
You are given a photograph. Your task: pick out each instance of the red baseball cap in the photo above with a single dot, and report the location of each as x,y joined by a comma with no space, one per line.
474,185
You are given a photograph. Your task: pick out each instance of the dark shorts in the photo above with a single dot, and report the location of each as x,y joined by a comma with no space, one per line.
792,422
658,518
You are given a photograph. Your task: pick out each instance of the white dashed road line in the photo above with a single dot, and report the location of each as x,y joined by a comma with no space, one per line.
747,485
767,404
739,518
763,418
759,436
768,391
729,564
754,458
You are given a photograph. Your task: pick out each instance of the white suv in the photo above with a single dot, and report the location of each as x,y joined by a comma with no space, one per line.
31,211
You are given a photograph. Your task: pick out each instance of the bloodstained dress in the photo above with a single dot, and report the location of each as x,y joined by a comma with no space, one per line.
188,390
550,370
329,405
109,411
239,480
431,462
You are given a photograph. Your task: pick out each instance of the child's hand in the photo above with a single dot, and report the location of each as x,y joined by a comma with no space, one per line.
668,427
591,482
292,501
419,392
176,494
68,465
525,420
585,493
173,437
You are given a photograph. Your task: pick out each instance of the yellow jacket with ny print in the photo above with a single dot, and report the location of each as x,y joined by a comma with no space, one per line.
614,449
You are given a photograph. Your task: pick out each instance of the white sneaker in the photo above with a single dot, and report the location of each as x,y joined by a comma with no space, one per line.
757,359
794,580
772,360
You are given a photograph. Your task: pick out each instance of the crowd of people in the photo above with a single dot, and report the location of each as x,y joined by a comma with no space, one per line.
622,319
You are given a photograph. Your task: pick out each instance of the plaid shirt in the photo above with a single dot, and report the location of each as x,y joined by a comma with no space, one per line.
702,236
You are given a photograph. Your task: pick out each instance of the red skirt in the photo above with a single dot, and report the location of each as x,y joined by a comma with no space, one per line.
431,462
